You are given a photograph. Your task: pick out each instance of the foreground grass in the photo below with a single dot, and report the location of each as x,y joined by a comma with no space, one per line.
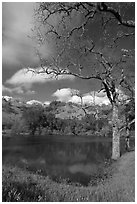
21,185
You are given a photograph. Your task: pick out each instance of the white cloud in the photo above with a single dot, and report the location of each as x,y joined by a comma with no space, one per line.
17,90
6,89
100,94
102,100
46,103
27,78
86,99
75,99
65,95
34,102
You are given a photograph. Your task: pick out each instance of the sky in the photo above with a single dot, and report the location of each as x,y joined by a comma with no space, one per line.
18,53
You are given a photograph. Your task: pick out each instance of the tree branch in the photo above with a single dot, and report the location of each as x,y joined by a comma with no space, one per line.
104,8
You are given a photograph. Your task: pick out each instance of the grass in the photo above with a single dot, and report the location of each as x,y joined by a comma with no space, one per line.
24,186
121,187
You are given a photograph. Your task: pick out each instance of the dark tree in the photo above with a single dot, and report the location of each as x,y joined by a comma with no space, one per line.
91,41
33,117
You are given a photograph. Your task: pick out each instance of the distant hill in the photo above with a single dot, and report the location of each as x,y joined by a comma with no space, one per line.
12,105
12,109
60,109
71,110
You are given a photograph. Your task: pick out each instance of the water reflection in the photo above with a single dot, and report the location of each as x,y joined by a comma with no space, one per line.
87,169
70,158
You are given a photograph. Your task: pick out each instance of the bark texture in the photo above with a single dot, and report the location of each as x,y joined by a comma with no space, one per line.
116,134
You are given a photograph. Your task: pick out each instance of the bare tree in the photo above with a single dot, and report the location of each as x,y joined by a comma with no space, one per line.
80,95
87,41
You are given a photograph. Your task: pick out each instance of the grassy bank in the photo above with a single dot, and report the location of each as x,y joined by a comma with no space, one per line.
21,185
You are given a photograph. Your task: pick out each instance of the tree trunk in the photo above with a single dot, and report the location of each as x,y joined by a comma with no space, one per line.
116,133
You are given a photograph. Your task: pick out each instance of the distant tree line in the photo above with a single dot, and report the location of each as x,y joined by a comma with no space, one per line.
37,120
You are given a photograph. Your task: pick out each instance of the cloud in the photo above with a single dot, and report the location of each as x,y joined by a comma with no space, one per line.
86,99
100,94
17,90
26,78
47,103
65,95
75,99
101,100
6,89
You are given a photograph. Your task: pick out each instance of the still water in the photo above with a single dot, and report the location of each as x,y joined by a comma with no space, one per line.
75,159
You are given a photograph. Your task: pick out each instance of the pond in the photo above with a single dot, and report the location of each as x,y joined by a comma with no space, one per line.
72,158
